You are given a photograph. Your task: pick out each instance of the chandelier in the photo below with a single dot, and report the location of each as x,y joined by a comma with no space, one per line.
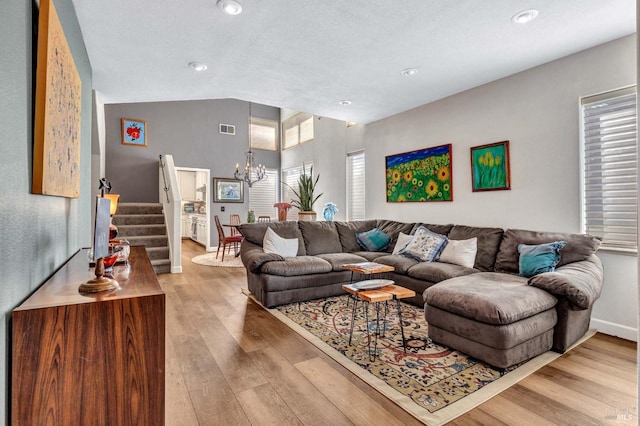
250,173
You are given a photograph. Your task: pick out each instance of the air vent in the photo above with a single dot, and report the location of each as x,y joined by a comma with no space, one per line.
227,129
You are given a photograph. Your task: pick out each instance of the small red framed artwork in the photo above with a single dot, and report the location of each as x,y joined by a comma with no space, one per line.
134,132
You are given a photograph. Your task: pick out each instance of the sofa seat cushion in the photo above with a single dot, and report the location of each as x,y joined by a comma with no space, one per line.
371,256
400,263
504,336
320,237
488,297
293,266
338,259
579,247
438,271
313,283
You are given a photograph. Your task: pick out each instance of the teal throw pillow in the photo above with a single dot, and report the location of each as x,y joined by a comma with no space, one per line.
373,240
540,258
425,246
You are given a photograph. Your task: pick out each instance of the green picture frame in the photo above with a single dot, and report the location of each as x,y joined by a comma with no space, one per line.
490,168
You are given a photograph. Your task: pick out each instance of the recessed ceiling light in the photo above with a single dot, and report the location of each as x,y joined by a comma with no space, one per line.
197,66
410,72
345,102
525,16
230,7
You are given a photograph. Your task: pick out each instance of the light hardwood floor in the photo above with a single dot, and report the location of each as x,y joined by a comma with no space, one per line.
229,362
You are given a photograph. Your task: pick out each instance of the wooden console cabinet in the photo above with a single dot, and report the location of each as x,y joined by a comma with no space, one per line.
90,359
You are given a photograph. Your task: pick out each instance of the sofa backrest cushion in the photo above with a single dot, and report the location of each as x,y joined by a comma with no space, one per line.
579,247
254,232
392,229
438,229
373,240
488,244
347,233
320,237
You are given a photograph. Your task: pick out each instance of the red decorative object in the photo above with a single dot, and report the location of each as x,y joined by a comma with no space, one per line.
282,210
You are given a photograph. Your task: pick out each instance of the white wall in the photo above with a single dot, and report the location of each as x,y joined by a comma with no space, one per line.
538,112
332,141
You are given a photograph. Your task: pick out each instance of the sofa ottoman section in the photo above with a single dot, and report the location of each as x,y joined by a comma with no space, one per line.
496,318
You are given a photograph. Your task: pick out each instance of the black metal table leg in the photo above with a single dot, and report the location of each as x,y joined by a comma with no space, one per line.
366,316
353,318
404,346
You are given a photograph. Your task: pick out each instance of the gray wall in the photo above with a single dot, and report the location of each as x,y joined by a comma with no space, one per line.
39,232
538,111
188,130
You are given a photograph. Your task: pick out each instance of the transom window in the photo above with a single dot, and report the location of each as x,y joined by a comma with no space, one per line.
264,134
297,129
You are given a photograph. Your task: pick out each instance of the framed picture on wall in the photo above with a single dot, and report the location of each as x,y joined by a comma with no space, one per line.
490,170
421,175
56,144
228,190
134,132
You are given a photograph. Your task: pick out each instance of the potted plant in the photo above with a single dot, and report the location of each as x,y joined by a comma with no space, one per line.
305,195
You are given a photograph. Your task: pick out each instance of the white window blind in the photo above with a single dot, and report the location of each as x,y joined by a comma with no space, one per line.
263,195
264,134
297,129
290,178
610,191
355,186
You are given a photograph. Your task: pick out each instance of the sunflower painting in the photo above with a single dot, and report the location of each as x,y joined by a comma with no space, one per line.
490,167
422,175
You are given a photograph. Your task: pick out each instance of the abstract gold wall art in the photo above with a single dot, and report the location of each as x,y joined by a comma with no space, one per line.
58,103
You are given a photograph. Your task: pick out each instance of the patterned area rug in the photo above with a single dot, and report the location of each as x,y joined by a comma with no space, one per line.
432,382
209,259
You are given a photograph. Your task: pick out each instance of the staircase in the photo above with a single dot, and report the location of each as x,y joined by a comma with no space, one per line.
143,224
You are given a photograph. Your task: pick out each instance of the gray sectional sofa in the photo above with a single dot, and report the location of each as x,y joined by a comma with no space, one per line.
488,311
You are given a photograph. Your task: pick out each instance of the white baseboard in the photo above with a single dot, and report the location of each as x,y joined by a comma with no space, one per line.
176,269
614,329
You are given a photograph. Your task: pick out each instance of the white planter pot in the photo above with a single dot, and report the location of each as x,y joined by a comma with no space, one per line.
306,216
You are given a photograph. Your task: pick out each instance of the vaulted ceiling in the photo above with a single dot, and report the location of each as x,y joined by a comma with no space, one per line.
308,55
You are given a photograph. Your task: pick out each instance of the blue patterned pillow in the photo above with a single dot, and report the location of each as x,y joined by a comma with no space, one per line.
425,246
540,258
373,240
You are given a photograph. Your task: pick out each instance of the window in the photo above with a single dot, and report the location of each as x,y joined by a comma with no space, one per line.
264,134
355,186
290,180
263,195
610,168
297,129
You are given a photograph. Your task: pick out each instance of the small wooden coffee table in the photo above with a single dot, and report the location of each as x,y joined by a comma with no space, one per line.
367,268
388,292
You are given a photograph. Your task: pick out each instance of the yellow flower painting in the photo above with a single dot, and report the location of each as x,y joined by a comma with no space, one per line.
490,167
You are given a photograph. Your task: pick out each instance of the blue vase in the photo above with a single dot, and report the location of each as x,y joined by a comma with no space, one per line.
328,215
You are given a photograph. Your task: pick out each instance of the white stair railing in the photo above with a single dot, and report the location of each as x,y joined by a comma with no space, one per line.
169,196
